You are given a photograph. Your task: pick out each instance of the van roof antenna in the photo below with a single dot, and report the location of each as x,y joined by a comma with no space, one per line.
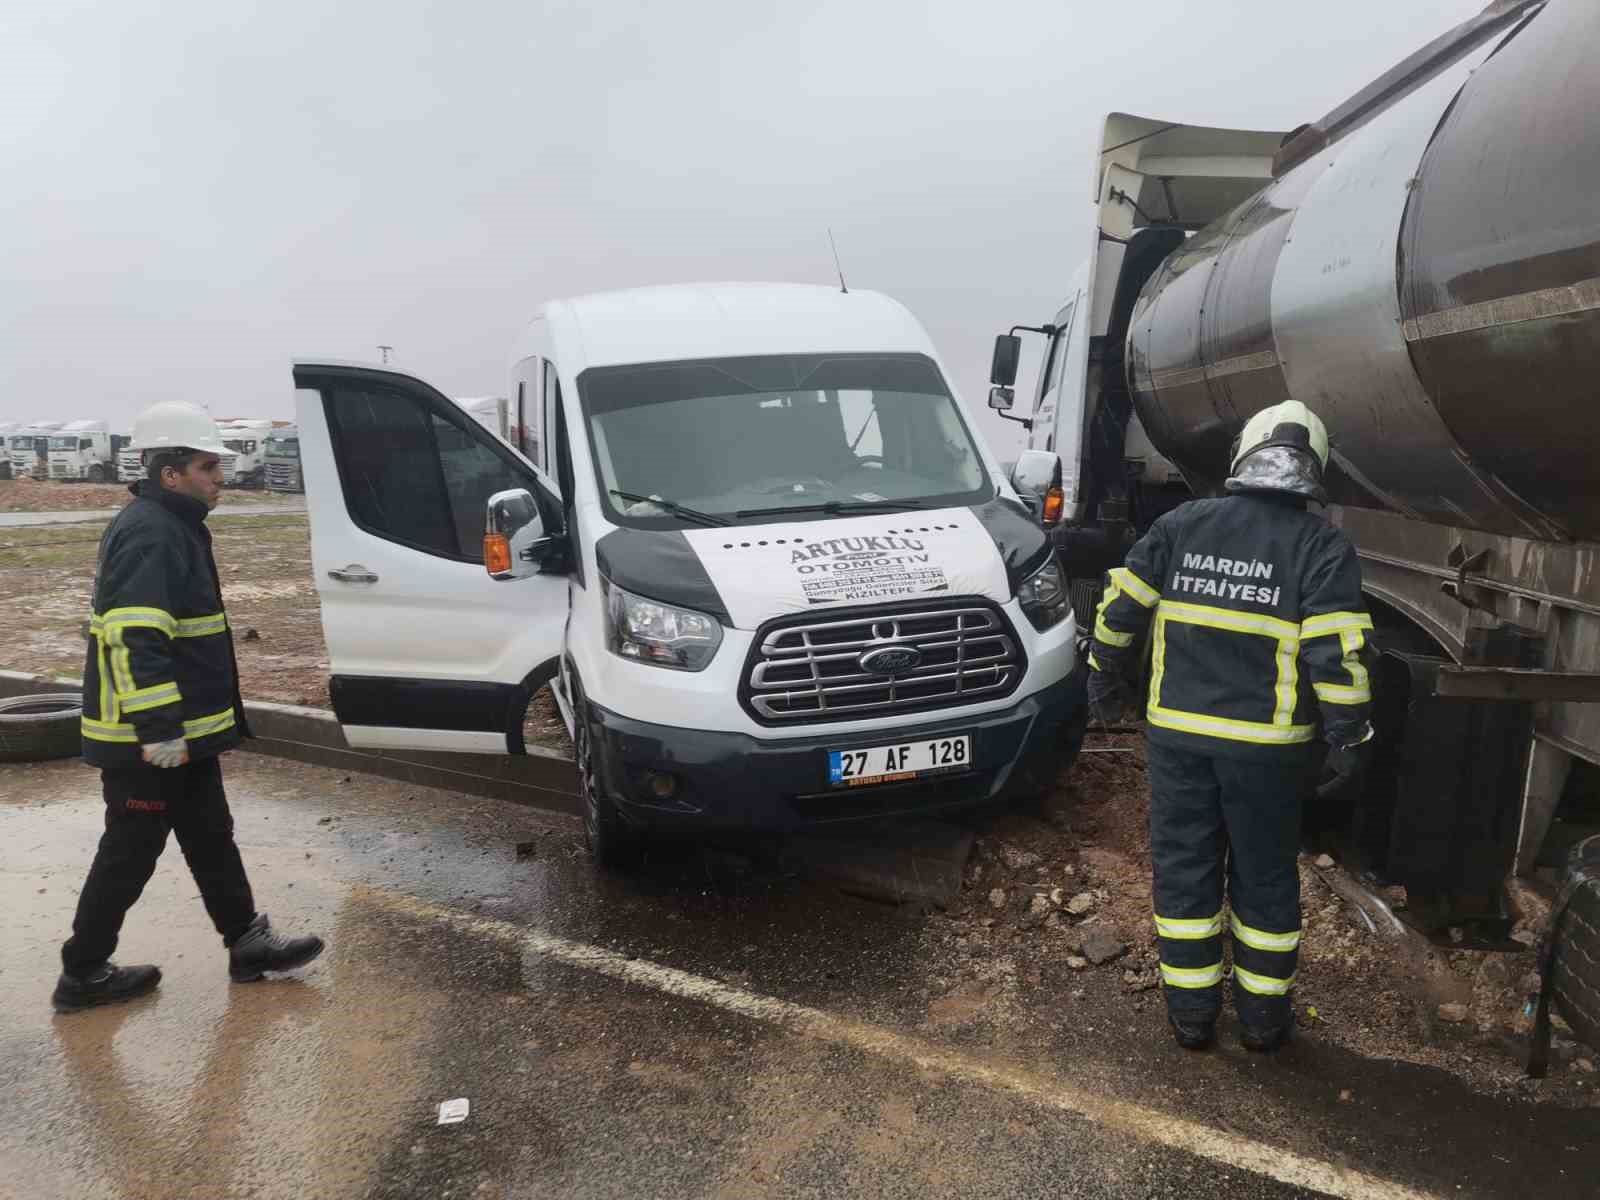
836,265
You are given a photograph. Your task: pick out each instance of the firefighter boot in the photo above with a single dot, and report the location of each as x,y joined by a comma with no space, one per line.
1193,1035
1263,1040
260,950
106,984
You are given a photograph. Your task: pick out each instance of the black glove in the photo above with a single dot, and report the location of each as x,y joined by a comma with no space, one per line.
1348,762
1108,697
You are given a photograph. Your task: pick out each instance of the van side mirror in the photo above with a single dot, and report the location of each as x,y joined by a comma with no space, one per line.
1003,367
1037,480
515,544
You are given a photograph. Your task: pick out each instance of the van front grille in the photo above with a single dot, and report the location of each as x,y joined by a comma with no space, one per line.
810,670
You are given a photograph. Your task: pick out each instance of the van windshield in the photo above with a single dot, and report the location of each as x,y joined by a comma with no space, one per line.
731,435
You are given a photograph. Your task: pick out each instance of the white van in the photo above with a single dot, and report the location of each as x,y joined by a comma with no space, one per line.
777,579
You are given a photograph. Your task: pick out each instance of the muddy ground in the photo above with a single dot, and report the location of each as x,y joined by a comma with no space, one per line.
1039,884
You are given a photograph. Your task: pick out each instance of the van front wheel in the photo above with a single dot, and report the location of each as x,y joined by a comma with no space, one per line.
611,843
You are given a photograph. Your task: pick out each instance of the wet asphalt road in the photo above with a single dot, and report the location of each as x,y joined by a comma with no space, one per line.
706,1027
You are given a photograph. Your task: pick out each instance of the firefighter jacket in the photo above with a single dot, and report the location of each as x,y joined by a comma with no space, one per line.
1257,622
160,663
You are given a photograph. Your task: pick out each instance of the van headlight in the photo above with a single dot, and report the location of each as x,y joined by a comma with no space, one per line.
662,635
1043,595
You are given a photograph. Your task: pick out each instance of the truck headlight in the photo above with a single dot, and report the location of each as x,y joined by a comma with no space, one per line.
662,635
1043,595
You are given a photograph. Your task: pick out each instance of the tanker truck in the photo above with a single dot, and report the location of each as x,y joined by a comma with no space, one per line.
1422,268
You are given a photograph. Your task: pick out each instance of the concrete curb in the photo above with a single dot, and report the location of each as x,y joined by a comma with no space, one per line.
540,779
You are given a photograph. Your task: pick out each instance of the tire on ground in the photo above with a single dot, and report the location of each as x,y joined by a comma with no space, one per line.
1576,967
34,728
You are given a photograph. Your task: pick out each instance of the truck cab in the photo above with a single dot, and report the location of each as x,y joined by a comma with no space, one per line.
1092,473
746,532
84,452
280,457
29,449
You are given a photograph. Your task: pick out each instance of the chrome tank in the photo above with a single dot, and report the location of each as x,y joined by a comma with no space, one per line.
1429,284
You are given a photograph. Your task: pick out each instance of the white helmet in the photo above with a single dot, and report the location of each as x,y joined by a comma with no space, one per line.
172,424
1282,449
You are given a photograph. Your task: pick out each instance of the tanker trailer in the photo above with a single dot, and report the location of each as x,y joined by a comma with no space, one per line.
1422,268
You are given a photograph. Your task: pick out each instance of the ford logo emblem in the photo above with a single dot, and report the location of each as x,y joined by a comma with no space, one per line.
891,660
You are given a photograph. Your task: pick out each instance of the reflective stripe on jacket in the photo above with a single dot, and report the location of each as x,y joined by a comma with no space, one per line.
1257,626
160,660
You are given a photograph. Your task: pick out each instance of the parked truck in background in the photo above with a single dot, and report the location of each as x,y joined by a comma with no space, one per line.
244,465
7,429
281,460
1419,268
29,450
85,452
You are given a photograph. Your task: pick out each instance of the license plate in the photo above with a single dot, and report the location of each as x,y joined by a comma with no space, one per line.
904,760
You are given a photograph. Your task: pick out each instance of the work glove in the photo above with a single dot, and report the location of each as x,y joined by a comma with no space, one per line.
1108,697
1347,762
167,754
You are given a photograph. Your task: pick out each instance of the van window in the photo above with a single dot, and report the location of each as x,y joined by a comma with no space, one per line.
735,434
412,475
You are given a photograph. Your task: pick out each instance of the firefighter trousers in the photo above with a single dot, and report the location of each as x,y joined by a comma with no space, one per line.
1215,819
142,804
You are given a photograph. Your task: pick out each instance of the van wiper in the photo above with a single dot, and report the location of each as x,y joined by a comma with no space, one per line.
832,506
673,507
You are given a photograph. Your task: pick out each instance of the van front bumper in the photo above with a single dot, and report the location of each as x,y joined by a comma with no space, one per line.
735,782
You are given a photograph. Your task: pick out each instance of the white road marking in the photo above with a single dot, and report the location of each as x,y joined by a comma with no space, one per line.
1117,1116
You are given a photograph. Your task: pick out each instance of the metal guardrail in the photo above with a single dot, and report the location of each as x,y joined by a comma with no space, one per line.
540,779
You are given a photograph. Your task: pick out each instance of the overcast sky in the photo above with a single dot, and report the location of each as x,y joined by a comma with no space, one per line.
194,192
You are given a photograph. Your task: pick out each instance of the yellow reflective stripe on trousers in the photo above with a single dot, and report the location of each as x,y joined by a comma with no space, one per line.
153,618
202,626
1136,589
1110,636
1191,977
1183,929
1334,622
1261,985
1259,939
1094,663
150,697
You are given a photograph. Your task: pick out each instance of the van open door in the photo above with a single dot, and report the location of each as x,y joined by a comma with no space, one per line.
427,651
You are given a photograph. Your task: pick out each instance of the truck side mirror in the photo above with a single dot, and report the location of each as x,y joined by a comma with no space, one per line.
1002,398
1003,367
515,544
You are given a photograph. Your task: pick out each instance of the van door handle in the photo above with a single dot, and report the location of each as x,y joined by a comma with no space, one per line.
354,573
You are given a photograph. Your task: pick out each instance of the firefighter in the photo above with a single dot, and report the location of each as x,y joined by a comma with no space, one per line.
160,705
1258,636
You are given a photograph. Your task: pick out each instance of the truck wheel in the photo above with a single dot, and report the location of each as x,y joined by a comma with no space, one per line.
97,473
611,843
1576,965
35,728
